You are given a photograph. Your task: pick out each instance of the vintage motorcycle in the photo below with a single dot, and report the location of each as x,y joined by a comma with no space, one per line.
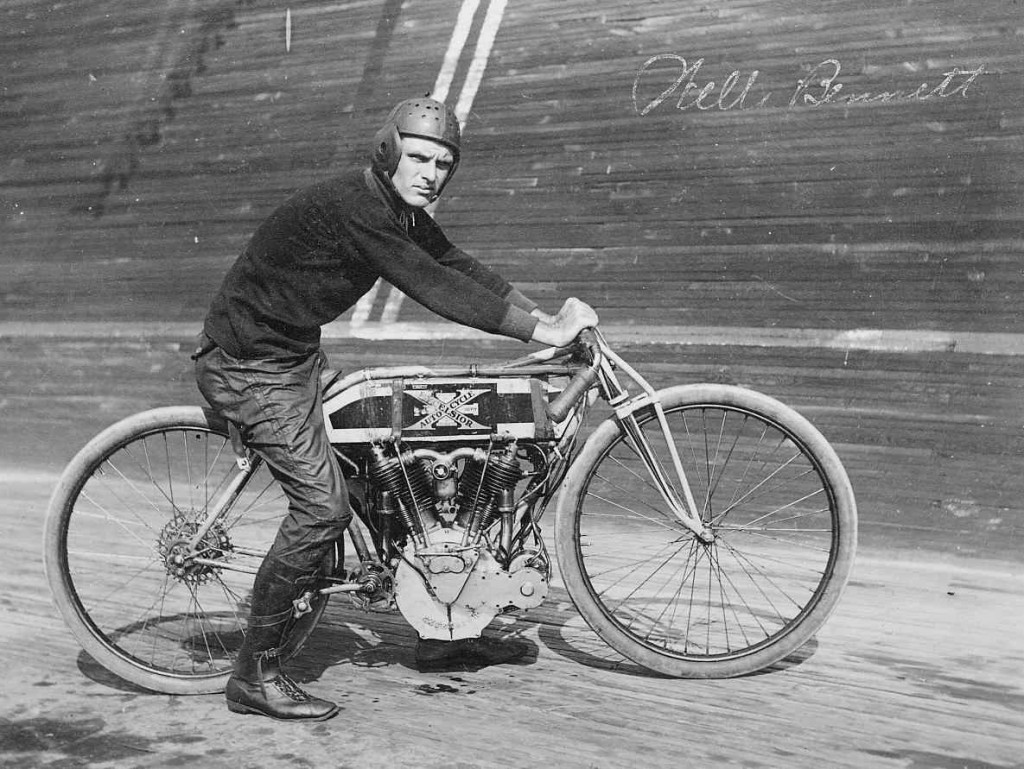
701,530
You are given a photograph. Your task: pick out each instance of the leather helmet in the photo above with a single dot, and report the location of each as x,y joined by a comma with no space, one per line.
424,117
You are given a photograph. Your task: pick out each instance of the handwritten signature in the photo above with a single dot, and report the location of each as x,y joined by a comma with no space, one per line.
819,88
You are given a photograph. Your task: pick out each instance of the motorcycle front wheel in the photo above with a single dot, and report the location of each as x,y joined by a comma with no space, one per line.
123,508
779,505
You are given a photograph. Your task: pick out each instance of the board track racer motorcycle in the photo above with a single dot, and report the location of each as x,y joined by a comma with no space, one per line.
702,530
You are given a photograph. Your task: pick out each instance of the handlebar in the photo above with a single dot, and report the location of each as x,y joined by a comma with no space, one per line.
582,381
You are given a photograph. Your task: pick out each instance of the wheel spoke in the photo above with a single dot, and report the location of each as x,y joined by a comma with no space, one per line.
139,611
774,525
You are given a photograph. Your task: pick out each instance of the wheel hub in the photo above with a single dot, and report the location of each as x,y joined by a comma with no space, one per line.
179,556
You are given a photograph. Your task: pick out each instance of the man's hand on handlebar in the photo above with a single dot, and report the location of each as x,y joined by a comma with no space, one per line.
561,329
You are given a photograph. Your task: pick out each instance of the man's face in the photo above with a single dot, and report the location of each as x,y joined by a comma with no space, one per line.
422,170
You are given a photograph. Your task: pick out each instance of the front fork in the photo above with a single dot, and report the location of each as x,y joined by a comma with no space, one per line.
685,509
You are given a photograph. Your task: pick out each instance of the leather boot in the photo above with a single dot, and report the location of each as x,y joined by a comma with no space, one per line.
276,695
258,685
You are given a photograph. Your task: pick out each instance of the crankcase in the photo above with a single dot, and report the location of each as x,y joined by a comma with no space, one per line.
443,600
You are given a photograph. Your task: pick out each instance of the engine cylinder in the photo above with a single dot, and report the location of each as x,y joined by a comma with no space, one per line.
466,498
502,472
407,479
482,485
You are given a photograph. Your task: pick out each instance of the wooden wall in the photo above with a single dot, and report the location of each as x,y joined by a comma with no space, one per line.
142,142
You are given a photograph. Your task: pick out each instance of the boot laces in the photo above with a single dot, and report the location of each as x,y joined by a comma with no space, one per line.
290,689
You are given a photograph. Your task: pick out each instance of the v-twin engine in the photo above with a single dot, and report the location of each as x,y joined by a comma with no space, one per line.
466,549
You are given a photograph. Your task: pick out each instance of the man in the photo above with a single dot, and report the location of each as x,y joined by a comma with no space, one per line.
259,360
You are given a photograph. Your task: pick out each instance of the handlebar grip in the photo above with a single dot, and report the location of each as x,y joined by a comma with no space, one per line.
559,408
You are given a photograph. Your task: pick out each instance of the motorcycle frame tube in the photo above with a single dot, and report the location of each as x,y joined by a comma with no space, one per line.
625,410
247,468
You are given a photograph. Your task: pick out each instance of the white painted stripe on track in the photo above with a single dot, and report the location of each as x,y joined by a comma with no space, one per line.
442,87
880,340
392,306
363,308
34,477
458,41
470,86
482,54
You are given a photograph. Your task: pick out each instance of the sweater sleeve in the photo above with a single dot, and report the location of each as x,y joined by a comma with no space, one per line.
486,277
518,299
432,237
463,291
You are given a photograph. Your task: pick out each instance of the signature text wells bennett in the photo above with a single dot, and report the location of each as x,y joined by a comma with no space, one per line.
821,86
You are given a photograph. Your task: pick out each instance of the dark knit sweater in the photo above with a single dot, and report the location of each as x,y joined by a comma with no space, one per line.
326,246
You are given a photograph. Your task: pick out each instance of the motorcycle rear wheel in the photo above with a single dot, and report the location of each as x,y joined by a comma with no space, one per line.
770,488
124,502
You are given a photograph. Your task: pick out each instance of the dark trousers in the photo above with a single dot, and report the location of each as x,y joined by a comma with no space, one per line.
278,408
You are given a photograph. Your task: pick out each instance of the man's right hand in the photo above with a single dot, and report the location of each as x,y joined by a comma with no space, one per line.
561,329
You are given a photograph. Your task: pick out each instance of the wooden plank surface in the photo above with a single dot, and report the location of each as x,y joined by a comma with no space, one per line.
142,143
931,440
146,143
920,666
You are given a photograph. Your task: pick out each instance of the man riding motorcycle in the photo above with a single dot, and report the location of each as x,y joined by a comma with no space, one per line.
258,362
